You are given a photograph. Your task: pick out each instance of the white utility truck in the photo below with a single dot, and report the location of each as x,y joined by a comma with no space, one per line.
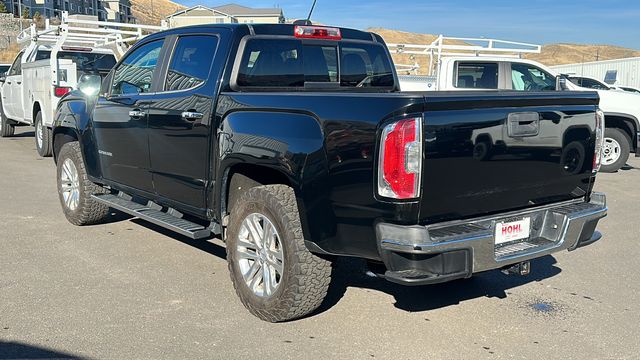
53,62
457,64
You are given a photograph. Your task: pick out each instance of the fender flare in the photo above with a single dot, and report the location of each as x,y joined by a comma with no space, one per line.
291,144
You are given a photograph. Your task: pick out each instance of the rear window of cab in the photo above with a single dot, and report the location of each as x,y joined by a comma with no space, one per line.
293,63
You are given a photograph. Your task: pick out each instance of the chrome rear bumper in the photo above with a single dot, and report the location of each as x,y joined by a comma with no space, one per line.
446,251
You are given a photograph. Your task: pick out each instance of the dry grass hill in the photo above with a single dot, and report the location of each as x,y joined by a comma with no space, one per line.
150,12
552,54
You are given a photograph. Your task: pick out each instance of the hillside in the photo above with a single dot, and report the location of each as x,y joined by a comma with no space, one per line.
150,12
552,54
559,54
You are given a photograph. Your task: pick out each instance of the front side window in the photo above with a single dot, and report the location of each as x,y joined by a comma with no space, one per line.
530,78
292,63
16,67
135,74
588,83
191,62
477,76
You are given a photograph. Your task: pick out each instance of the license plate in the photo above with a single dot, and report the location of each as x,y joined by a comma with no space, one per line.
512,231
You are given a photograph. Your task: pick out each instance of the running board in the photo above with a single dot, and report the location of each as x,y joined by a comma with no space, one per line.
160,218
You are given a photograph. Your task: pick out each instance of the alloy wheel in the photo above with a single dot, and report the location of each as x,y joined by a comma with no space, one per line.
39,134
70,185
260,255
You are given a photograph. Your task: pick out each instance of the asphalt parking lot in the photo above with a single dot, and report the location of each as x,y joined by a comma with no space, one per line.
123,290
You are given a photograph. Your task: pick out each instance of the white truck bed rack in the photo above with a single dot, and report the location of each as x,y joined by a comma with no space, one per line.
461,47
78,31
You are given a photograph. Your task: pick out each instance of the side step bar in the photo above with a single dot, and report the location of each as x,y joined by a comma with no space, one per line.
160,218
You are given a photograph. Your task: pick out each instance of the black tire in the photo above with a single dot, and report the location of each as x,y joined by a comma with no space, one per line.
44,148
88,210
573,158
6,127
482,151
624,146
306,277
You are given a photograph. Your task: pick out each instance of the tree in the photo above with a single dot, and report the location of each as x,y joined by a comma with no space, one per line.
37,16
25,13
3,8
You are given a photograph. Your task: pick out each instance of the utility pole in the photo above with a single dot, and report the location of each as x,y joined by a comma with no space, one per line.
20,13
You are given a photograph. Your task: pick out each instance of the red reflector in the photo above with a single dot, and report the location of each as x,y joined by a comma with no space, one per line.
317,32
401,160
61,91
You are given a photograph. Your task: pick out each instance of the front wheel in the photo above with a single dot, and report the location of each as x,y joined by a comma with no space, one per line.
6,128
275,276
615,151
43,137
75,188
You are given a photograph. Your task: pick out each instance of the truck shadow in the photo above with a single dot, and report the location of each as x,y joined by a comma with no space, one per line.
26,134
349,272
16,350
207,246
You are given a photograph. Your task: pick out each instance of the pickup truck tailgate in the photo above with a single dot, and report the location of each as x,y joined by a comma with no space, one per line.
493,152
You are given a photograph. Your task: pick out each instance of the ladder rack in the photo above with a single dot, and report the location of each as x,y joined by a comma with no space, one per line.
83,32
460,46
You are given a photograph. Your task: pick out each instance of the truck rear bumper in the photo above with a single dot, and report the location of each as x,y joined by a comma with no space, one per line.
417,255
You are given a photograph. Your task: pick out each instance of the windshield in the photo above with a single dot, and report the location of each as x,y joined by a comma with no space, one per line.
84,60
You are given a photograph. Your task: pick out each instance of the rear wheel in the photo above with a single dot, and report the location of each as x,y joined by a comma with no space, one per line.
6,127
275,276
615,151
75,188
43,137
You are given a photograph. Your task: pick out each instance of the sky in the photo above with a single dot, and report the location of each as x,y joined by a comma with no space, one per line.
611,22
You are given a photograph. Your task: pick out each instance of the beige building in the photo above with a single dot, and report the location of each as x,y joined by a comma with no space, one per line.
231,13
250,15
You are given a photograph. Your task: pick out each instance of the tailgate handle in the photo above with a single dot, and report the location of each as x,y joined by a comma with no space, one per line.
523,124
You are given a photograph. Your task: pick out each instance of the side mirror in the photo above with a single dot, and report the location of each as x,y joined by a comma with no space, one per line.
90,84
561,83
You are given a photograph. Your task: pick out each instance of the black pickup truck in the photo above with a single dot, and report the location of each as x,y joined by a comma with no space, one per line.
294,145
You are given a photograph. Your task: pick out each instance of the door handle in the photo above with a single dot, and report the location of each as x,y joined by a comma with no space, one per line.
192,115
18,82
137,113
9,82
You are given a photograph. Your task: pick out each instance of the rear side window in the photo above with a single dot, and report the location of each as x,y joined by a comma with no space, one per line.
290,63
477,76
191,62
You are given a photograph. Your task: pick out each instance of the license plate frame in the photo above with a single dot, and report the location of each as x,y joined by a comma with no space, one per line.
512,230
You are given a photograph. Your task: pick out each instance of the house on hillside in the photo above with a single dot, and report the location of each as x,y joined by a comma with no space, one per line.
226,14
251,15
109,10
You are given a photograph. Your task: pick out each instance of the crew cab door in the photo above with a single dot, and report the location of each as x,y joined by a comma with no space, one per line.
120,119
181,119
11,90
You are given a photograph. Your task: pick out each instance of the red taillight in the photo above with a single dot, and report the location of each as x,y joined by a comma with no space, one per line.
597,154
317,32
60,91
400,163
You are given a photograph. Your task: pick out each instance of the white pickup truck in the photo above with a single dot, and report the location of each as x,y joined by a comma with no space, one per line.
38,78
53,62
476,70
